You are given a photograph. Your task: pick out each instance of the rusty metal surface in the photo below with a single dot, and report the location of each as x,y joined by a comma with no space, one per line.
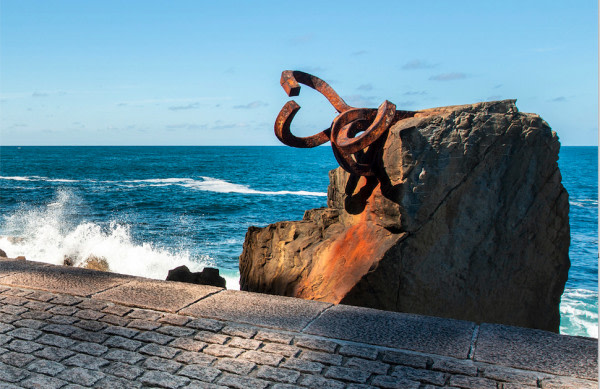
354,133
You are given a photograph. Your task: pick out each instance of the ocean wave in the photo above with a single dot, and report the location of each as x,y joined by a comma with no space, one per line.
36,178
216,185
48,234
584,203
579,313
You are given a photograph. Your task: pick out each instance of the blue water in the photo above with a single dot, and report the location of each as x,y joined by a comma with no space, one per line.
149,209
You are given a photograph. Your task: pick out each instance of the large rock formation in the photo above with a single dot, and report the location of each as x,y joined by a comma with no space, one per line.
467,219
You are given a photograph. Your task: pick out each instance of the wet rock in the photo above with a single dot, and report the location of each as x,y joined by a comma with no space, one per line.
95,263
467,219
208,276
3,253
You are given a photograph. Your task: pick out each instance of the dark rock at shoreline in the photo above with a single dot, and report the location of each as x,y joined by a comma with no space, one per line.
3,253
467,219
208,276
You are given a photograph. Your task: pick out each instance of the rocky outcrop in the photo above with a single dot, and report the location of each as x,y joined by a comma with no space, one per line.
208,276
466,219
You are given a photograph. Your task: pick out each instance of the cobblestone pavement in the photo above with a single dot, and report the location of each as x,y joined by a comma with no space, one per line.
58,340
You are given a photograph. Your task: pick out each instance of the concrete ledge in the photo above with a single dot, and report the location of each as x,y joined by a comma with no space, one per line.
341,343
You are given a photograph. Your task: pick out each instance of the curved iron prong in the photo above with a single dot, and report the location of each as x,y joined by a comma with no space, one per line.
345,160
291,78
283,133
381,122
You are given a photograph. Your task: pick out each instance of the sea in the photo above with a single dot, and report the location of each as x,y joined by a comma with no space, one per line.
146,210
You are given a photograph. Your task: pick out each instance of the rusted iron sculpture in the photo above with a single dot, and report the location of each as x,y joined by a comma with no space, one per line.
355,154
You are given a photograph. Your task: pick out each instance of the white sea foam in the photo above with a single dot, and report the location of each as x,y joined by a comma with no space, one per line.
585,203
47,234
36,178
579,313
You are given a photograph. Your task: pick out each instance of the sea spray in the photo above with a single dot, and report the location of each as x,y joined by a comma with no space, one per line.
53,232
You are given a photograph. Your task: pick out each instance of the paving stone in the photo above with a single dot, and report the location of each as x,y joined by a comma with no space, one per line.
37,381
247,344
53,353
281,349
124,343
90,348
88,314
16,359
141,324
316,344
89,336
25,333
41,296
124,370
258,309
30,323
278,374
200,372
63,310
204,385
218,350
81,376
121,331
238,382
117,310
12,374
454,366
7,318
60,329
163,380
188,344
317,356
116,383
274,336
38,315
156,363
468,382
90,325
395,382
6,327
87,361
16,291
144,314
239,331
176,331
92,305
38,305
210,337
4,339
73,386
50,368
62,319
159,351
368,365
174,319
303,366
154,337
189,357
314,381
65,299
206,324
23,346
358,351
115,320
14,300
425,376
537,350
262,358
124,356
285,386
347,374
12,309
160,295
407,359
235,366
365,386
500,373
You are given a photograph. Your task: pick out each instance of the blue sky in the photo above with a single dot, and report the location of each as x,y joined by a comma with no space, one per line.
207,72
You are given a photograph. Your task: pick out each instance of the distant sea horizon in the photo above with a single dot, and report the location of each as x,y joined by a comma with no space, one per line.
149,208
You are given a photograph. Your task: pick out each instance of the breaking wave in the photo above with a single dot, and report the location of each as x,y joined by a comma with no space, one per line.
579,313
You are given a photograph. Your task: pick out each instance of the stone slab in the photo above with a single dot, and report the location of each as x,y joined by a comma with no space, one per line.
399,330
167,296
259,309
537,350
65,279
9,266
